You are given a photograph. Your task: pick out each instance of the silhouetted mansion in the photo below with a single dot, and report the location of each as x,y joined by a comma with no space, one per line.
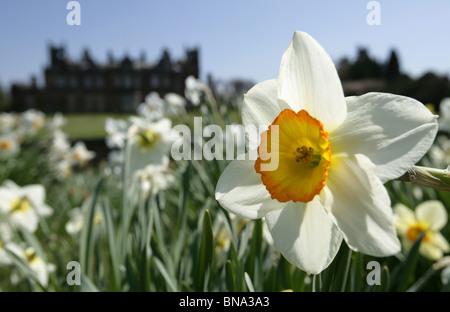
115,87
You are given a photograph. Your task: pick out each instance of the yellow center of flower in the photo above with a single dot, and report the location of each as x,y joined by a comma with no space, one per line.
1,244
5,145
147,138
222,239
76,156
37,124
303,157
416,230
97,219
67,170
30,255
20,205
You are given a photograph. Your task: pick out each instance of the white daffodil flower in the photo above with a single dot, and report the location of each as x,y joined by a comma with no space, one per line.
152,108
440,152
75,222
115,163
34,261
59,146
80,155
117,132
58,122
32,122
7,122
334,154
196,91
23,206
429,217
62,169
175,104
77,217
154,178
149,143
9,146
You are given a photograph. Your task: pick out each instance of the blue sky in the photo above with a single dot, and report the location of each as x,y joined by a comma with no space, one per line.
237,39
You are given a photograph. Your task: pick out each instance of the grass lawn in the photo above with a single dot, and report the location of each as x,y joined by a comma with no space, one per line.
92,125
88,126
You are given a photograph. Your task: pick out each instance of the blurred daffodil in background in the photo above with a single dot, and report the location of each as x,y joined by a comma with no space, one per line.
428,218
23,206
444,117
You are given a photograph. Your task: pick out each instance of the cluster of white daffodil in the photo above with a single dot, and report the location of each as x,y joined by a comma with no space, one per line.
15,129
20,131
21,209
22,137
140,146
63,158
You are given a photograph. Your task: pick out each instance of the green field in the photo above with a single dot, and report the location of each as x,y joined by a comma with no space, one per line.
88,126
92,126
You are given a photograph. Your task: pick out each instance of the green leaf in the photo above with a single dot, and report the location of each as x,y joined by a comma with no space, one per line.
385,279
404,273
421,282
205,253
343,260
170,282
184,197
87,285
255,249
111,235
87,237
229,276
357,276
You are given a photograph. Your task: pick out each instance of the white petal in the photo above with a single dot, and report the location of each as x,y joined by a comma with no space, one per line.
28,220
15,248
438,240
432,213
360,206
241,191
308,80
43,210
404,218
6,198
430,251
140,157
11,185
305,235
393,131
163,126
35,193
40,268
260,105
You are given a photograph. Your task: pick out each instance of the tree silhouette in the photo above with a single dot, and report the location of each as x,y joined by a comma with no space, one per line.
392,66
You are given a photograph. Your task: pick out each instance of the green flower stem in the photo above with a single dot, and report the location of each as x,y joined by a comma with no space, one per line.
438,179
